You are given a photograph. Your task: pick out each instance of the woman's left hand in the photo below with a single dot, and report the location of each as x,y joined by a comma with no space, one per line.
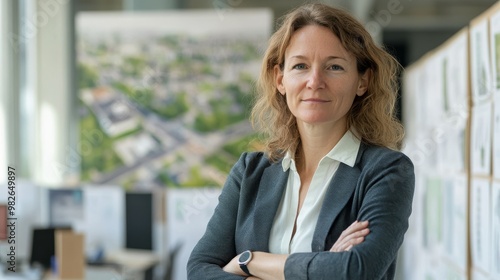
352,236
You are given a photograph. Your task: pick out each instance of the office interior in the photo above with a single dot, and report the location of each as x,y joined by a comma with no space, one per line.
120,119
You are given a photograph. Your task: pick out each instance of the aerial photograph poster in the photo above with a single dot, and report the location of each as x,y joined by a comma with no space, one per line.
164,97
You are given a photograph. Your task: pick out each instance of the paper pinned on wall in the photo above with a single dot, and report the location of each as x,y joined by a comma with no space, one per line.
434,107
433,208
495,223
433,268
479,275
495,58
481,139
495,50
447,100
480,224
451,152
455,220
410,105
480,62
449,272
496,138
421,103
452,56
456,77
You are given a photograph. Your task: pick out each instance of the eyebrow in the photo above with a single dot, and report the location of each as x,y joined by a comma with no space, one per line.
328,58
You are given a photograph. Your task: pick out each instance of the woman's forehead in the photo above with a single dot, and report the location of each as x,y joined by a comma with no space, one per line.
316,40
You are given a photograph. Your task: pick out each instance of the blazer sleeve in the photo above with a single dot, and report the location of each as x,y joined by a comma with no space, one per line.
387,184
217,246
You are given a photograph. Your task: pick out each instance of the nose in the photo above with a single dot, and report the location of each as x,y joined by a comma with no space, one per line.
315,79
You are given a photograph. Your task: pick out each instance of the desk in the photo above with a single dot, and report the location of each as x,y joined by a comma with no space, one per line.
132,259
93,273
127,264
134,263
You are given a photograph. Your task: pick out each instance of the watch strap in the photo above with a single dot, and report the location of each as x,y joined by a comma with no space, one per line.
245,269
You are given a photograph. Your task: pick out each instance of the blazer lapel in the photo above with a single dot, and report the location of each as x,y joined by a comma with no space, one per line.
271,189
340,190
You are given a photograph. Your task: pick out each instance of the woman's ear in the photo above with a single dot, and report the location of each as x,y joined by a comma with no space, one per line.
278,79
363,82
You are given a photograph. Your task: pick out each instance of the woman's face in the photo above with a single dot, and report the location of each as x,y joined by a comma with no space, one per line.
319,77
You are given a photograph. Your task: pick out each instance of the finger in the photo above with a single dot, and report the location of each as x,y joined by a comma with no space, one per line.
353,232
359,233
354,227
344,245
357,226
347,246
353,242
349,229
354,238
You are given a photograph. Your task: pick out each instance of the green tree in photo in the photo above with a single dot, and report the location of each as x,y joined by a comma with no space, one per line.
196,179
174,108
87,76
99,155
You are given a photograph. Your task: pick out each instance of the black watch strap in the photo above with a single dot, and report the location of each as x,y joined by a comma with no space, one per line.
245,269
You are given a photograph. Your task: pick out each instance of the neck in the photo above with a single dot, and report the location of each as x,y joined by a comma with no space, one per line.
315,143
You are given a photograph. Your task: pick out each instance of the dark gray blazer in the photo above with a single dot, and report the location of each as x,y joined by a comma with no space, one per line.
379,188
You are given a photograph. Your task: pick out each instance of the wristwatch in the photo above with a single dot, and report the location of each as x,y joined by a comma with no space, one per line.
244,259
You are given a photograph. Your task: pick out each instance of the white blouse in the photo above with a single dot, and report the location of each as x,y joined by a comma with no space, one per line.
281,241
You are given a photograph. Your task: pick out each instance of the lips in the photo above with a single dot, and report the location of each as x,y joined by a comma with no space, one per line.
315,100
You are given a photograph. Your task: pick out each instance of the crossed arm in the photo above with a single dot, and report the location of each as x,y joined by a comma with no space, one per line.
271,266
384,201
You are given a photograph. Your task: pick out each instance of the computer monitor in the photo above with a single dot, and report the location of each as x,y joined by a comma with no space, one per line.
43,246
139,220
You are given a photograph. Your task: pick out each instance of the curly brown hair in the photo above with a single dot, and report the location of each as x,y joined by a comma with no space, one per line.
372,115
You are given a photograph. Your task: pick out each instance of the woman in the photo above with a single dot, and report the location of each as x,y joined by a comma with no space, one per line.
331,196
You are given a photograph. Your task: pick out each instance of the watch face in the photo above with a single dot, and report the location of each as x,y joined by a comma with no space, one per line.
244,257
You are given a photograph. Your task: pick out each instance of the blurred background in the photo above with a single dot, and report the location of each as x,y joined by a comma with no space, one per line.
120,119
